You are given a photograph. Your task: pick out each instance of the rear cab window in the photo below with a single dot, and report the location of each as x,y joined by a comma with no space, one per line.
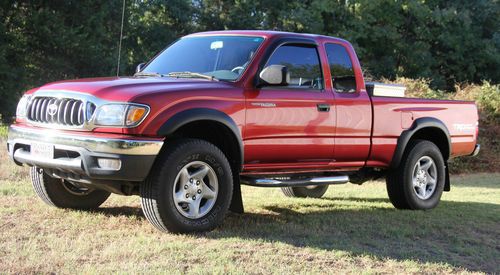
303,64
341,69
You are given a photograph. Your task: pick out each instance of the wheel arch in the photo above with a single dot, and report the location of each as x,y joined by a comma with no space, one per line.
426,128
184,121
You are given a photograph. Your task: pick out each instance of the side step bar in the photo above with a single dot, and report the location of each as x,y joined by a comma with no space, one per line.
279,182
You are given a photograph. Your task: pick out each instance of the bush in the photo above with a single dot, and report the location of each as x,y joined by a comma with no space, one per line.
417,88
487,97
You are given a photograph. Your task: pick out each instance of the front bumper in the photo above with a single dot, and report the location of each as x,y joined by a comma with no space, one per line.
76,156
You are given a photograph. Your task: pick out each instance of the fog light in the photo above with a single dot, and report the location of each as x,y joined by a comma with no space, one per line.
110,164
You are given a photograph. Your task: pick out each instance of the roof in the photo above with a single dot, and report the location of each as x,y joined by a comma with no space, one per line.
266,34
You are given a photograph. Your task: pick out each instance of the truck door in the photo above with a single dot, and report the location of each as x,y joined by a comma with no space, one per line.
353,107
291,124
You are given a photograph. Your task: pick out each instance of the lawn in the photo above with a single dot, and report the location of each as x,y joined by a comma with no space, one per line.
353,229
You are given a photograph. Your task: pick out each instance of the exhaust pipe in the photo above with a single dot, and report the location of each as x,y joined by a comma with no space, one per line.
284,182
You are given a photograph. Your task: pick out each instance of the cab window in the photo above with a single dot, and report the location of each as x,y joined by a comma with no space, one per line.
341,69
303,65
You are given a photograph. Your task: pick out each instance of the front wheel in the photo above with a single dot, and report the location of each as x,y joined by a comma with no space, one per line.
189,189
418,182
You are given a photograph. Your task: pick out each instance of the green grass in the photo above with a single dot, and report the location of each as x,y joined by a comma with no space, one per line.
3,131
353,229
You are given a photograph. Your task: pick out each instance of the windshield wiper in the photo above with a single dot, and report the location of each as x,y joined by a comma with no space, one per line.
191,75
148,74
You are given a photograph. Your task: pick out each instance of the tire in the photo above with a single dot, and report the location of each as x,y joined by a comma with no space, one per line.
62,194
418,182
305,192
189,188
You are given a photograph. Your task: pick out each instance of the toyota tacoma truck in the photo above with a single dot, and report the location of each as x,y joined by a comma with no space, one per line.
216,110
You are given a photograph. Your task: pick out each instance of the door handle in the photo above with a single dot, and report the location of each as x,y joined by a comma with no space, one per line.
323,107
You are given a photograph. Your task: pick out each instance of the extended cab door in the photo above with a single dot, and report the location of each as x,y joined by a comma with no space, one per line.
294,124
353,106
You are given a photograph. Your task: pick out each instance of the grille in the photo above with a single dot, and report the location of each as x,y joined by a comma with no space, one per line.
63,111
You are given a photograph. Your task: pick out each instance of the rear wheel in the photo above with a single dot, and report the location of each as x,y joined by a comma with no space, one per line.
64,194
189,189
305,192
419,180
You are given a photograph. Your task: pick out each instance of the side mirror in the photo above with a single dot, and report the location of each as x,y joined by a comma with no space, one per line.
274,75
139,67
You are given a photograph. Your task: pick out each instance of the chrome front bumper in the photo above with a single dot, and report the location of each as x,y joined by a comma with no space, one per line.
76,156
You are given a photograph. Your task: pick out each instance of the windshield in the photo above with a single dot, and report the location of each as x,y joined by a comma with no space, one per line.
220,57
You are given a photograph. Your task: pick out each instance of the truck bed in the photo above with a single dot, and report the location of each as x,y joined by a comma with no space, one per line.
460,117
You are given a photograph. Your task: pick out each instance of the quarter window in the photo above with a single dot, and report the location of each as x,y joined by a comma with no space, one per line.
303,65
341,68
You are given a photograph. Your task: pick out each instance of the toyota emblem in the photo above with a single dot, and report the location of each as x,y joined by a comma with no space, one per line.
52,109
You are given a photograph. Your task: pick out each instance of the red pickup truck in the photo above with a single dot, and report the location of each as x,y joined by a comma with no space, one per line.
215,110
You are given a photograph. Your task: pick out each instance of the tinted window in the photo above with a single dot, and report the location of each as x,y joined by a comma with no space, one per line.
303,65
341,69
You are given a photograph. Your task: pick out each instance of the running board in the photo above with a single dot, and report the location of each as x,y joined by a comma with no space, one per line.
283,182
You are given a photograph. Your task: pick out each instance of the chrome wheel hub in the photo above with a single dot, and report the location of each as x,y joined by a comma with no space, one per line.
424,178
195,190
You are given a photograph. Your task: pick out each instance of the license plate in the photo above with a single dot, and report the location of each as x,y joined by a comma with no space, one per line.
42,150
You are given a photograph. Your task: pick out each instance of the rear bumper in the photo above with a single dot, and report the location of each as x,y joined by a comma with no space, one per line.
76,156
476,150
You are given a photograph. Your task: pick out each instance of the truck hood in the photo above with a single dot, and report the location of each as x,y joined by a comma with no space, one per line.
131,88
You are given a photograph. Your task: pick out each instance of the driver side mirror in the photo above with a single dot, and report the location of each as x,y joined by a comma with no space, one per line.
139,67
274,75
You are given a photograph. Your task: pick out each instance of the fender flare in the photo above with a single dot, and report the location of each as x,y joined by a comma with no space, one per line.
198,114
406,135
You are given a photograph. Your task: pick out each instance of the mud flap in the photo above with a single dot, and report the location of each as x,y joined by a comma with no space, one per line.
447,186
236,205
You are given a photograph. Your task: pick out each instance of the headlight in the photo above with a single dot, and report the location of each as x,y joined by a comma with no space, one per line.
127,115
22,106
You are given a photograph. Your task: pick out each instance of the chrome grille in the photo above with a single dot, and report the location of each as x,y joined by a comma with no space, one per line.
62,111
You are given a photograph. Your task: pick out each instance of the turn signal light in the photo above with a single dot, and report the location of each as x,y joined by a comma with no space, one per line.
134,115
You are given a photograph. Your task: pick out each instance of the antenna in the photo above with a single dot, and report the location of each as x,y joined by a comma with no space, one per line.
120,45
